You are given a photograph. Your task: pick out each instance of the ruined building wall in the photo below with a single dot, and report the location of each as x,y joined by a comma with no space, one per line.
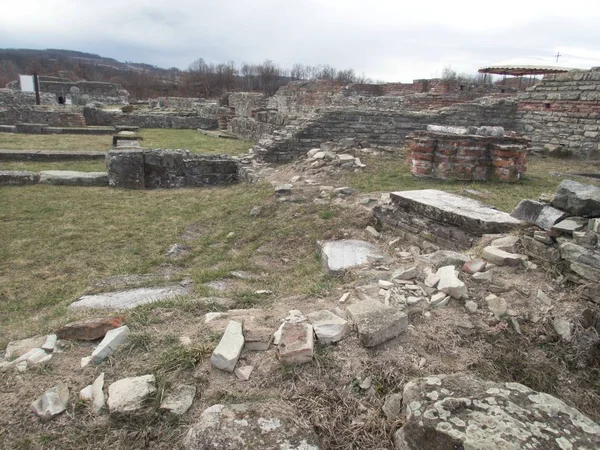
150,119
108,93
57,117
11,98
245,103
562,114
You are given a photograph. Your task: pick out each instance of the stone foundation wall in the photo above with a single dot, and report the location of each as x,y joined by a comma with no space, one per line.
378,127
12,98
152,169
57,117
90,91
562,114
163,119
176,102
245,103
249,128
467,157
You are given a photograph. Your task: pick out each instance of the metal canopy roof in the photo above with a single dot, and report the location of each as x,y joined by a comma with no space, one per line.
523,69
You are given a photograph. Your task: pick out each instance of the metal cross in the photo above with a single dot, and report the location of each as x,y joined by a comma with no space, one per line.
558,55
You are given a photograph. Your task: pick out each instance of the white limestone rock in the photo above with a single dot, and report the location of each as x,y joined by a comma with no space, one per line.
112,340
450,283
128,394
53,402
225,356
328,327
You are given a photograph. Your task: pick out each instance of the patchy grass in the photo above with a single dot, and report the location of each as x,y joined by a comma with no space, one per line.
67,142
391,173
193,141
34,166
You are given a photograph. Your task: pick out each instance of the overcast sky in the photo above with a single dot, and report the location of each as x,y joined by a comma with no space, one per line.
391,40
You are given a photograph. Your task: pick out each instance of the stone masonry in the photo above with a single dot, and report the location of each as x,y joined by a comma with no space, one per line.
466,156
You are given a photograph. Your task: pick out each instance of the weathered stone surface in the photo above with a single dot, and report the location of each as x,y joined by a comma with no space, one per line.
506,243
462,411
576,253
405,274
578,199
86,393
463,212
474,266
570,225
376,322
497,305
284,189
328,327
501,258
33,357
89,329
296,345
338,256
73,178
392,406
482,276
18,178
442,258
225,356
450,283
14,349
128,299
50,343
549,216
179,399
53,402
243,373
257,338
563,328
126,169
98,393
527,210
112,340
471,306
265,426
539,250
128,394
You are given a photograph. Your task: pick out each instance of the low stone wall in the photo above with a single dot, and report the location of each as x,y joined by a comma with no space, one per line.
176,102
61,116
10,97
162,119
378,127
82,92
561,114
245,103
467,157
151,169
249,128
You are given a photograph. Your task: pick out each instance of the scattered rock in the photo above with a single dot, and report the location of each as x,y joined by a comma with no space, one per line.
53,402
255,211
128,394
442,258
543,297
98,394
383,284
50,343
507,243
179,399
242,275
405,274
112,340
502,258
177,250
450,283
570,225
283,189
225,356
341,255
373,232
89,329
474,266
563,328
438,300
376,322
392,406
497,305
577,199
15,349
482,276
462,411
86,393
257,338
344,297
328,327
243,373
263,292
297,344
264,426
471,306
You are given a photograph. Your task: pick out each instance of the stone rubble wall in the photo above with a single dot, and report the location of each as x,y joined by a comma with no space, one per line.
61,116
377,127
151,119
12,98
176,102
562,114
245,103
152,169
467,157
89,91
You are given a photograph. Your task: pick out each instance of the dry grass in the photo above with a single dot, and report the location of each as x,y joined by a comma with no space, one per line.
34,166
194,141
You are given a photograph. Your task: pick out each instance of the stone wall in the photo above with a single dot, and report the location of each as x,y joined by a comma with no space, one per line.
61,116
150,119
467,157
378,127
86,91
151,169
562,114
245,103
10,97
176,102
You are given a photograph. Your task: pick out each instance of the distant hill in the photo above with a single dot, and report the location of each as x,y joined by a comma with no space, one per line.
141,80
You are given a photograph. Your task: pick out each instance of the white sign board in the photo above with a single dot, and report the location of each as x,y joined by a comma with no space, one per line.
26,83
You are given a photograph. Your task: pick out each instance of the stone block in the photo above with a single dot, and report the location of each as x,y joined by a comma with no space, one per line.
112,340
540,251
129,394
376,322
578,199
126,169
507,243
296,345
499,257
257,338
73,178
328,327
18,178
225,356
570,225
450,283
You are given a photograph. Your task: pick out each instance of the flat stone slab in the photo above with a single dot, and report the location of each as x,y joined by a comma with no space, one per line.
341,255
73,178
264,426
376,322
453,209
18,178
462,411
129,299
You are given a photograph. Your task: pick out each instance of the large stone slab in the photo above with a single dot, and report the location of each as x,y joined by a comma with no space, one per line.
341,255
264,426
18,177
73,178
578,199
469,214
376,322
462,411
128,299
